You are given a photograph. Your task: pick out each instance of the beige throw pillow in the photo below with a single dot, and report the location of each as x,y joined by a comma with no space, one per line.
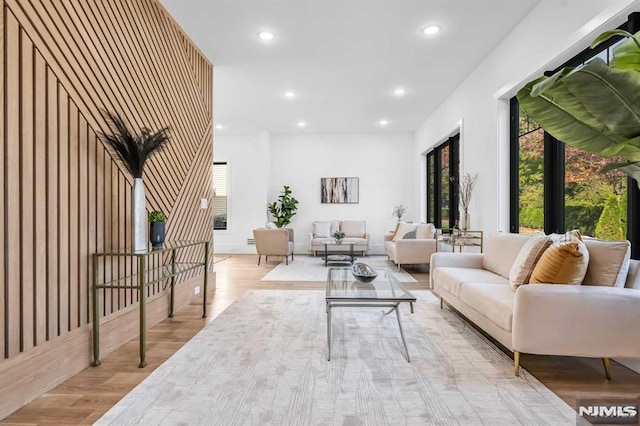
564,262
608,262
527,259
402,229
502,252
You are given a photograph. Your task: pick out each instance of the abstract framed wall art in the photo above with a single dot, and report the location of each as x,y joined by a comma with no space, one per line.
339,190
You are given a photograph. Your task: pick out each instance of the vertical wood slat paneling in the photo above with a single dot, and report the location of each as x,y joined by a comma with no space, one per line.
65,195
12,185
26,192
3,310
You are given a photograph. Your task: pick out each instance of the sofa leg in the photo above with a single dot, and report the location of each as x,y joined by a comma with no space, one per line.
441,303
286,260
259,256
516,363
607,367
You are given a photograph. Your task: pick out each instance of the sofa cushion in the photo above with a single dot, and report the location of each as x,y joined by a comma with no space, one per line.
354,228
402,229
494,301
527,259
425,231
502,252
608,262
322,229
452,278
564,262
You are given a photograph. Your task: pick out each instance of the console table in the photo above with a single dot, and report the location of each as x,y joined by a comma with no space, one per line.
145,277
460,238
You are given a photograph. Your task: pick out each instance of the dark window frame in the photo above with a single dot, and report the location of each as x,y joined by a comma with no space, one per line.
554,167
434,197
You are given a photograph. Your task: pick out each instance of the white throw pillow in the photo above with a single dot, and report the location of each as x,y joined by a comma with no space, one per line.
526,260
322,229
402,229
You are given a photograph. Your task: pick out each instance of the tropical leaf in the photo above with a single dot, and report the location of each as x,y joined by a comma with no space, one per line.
632,170
627,54
629,149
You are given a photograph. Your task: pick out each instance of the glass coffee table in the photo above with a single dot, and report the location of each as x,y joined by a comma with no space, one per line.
331,255
385,291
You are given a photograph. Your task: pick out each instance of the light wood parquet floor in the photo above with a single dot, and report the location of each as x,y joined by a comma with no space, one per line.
85,397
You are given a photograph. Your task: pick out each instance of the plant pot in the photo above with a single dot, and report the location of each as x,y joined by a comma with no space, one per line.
139,216
338,241
156,233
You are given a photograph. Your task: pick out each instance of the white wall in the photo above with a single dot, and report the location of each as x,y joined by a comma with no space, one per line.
553,32
248,159
260,166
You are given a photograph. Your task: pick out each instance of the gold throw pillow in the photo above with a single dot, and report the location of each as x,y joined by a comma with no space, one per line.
564,262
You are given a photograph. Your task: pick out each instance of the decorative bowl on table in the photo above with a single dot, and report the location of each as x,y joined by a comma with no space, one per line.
363,272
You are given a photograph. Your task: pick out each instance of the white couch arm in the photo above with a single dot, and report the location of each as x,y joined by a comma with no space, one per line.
414,251
310,241
368,237
577,320
454,260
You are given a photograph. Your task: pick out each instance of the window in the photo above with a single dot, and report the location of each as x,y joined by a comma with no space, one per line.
555,187
442,184
220,199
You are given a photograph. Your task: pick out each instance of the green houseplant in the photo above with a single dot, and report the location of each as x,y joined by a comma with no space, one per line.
157,220
134,149
594,107
339,236
284,208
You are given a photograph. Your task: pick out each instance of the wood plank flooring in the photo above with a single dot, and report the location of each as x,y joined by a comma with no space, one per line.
85,397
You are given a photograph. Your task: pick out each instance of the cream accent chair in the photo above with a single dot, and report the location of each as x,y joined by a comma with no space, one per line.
412,251
274,242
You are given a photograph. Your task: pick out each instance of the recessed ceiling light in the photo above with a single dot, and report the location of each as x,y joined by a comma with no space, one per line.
400,91
290,94
266,35
430,29
383,122
219,126
302,124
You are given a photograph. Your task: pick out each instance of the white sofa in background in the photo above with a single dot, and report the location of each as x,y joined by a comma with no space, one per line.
355,230
599,319
411,244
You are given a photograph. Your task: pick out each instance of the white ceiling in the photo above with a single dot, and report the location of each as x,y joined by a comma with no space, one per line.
343,58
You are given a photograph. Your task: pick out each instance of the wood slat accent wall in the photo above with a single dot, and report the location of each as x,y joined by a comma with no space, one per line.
65,196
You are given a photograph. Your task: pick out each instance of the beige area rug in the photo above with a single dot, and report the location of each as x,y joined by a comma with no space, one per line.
263,362
309,268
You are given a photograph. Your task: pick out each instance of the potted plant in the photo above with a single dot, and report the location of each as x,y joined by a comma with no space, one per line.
339,236
398,212
157,221
284,208
134,149
594,107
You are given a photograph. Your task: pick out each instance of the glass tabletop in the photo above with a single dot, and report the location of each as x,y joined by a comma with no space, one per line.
343,286
343,243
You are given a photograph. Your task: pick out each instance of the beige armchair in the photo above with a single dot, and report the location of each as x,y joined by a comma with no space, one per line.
274,242
416,244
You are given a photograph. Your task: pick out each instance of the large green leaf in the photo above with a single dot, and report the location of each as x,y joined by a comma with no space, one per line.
629,149
633,170
627,54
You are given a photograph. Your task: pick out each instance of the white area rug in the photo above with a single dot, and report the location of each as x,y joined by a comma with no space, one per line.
309,268
263,361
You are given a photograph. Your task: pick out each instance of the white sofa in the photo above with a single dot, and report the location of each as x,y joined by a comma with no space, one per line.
355,230
414,250
595,319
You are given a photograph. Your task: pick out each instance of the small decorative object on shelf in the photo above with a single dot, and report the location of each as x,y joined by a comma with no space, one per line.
339,236
133,149
398,211
467,183
363,272
157,221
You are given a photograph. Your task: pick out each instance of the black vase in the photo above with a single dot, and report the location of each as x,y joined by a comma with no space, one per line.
156,234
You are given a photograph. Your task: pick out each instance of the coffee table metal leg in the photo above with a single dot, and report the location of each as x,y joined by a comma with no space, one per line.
328,332
402,333
326,256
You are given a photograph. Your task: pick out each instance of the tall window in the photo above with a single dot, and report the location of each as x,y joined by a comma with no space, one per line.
555,187
442,184
220,199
